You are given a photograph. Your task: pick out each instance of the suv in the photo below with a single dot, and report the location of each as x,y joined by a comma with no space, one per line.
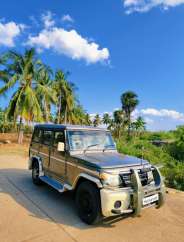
85,159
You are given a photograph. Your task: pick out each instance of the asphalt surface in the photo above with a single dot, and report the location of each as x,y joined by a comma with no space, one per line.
33,214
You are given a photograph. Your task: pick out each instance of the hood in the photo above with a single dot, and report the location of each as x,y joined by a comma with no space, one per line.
109,160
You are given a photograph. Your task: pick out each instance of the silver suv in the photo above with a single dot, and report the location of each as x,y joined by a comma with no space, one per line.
85,159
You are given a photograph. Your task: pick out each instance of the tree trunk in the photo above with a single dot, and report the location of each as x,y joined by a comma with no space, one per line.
66,114
59,110
46,112
129,126
20,132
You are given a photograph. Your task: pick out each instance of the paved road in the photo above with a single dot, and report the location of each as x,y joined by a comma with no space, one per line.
34,214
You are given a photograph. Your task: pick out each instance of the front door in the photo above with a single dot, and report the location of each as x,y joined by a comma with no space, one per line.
57,158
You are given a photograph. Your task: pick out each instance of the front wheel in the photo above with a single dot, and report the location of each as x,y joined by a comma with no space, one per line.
88,203
35,174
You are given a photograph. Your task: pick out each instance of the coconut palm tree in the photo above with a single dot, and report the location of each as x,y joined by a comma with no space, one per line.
129,101
88,120
79,115
20,74
44,91
97,120
65,93
106,119
139,124
118,122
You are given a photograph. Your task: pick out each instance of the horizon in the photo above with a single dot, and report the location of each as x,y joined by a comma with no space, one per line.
108,48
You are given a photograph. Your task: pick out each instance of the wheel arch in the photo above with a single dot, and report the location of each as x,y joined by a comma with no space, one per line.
86,177
37,159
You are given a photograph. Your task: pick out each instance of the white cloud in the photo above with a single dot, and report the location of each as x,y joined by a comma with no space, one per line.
69,43
47,19
159,119
165,113
67,18
146,5
8,32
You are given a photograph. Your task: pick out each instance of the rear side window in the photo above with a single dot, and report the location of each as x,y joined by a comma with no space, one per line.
47,137
37,135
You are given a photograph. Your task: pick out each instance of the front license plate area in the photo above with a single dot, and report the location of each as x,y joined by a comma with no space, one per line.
150,199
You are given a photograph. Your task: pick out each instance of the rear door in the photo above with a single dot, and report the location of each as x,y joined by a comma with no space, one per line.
44,151
58,158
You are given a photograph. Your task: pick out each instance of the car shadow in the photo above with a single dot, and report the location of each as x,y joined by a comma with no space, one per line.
43,201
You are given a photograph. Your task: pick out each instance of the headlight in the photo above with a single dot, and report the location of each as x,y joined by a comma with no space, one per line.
111,179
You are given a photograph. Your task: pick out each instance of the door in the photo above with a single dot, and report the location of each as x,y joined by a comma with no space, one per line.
57,158
44,150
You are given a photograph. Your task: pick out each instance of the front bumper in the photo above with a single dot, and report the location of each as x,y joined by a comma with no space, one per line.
131,199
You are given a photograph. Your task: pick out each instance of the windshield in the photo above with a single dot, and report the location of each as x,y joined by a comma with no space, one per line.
90,140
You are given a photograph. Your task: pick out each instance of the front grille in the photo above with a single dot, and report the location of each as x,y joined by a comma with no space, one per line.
143,175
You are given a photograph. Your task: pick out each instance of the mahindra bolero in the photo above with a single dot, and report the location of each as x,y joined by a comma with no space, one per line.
85,160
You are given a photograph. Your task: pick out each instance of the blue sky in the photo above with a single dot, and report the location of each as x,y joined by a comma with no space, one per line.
109,47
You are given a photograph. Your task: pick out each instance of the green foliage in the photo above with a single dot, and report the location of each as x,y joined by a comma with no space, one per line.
139,124
162,135
7,127
97,120
173,170
21,70
176,148
129,101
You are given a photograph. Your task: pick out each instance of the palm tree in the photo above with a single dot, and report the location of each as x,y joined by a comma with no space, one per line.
118,122
65,93
106,119
88,120
129,102
79,115
139,125
20,73
97,120
44,91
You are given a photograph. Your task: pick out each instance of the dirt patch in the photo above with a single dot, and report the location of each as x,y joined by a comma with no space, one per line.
13,137
14,149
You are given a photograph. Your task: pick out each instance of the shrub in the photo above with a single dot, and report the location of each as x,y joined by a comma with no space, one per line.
173,170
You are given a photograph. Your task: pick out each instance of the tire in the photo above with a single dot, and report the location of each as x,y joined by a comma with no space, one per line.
88,203
35,174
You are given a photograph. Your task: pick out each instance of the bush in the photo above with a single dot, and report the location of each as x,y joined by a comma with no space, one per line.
7,127
173,170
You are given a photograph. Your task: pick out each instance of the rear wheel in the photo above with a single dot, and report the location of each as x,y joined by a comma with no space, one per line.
35,174
88,203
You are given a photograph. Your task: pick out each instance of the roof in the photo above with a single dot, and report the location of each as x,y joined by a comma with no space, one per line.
67,126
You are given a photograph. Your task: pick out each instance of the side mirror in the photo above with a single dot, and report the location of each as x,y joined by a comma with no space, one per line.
61,146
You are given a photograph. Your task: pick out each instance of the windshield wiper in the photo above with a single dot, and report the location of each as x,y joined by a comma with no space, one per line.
107,146
89,146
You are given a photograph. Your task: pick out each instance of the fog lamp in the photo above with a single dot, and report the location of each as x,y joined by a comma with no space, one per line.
117,204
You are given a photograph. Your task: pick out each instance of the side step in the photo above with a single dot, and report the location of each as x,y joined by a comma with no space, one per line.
53,183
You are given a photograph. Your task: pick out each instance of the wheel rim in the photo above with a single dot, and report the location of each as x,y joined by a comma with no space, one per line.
85,204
